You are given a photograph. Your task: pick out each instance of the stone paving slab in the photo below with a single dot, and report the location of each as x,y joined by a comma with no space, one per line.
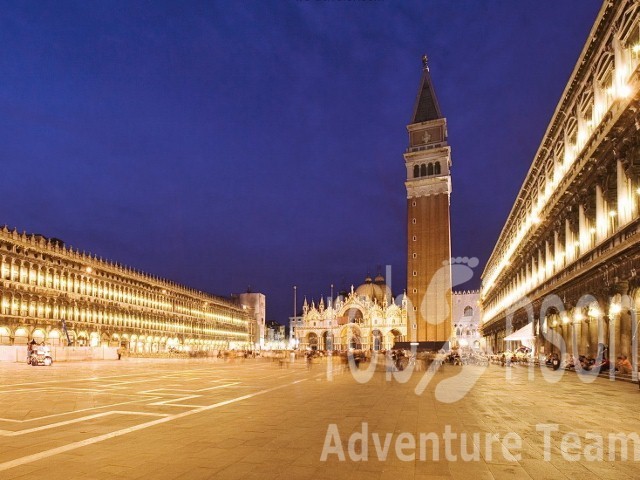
209,419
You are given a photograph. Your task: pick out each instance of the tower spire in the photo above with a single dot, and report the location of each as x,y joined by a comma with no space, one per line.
426,107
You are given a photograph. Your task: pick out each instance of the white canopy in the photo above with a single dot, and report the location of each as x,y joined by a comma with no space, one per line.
525,333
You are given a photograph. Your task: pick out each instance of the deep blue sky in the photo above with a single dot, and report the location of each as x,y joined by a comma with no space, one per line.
221,143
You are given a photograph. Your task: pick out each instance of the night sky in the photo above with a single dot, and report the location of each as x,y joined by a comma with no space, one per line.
223,144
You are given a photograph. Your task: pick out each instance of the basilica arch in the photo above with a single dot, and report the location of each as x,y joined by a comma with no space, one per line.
351,337
361,319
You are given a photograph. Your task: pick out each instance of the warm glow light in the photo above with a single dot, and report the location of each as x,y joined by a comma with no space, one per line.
624,91
578,316
88,269
615,308
565,319
618,89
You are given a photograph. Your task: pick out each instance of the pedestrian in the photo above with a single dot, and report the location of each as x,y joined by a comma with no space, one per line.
119,352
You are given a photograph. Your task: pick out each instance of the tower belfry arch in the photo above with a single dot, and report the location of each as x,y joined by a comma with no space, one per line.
428,161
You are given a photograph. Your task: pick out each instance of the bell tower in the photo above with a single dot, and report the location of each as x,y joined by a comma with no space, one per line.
428,159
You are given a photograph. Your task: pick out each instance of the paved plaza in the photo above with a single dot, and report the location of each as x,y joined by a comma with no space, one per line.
193,419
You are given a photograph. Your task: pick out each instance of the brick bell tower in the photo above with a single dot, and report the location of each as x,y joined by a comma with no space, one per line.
428,159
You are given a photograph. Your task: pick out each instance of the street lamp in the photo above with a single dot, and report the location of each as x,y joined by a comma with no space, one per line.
295,303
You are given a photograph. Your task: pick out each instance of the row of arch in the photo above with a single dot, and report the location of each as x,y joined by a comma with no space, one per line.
581,330
23,334
467,332
425,170
90,284
604,208
603,80
351,338
44,308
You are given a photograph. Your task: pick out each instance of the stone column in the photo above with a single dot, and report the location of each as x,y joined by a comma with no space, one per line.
624,200
558,261
542,268
583,229
592,336
602,219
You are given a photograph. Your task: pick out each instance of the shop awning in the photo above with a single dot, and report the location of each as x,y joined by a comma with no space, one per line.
525,333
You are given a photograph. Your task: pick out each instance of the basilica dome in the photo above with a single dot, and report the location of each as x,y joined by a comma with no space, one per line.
373,289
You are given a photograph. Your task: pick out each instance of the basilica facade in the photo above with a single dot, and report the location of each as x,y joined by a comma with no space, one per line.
366,318
57,294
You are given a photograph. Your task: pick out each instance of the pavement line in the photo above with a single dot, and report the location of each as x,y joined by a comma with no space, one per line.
185,390
90,441
168,402
139,400
162,373
9,433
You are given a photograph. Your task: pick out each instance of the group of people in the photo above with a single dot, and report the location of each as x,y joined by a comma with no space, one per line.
34,346
602,364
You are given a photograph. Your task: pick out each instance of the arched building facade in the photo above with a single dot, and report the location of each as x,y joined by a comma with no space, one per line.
52,293
365,319
568,257
465,328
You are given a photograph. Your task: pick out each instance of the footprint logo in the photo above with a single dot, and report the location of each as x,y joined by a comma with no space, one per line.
453,272
453,389
450,390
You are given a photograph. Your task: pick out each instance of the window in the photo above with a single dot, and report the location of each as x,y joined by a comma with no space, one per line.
415,290
416,171
413,204
436,168
415,255
430,169
415,274
468,311
413,221
414,238
423,170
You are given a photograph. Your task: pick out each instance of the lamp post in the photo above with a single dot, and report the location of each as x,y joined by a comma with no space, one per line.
295,303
